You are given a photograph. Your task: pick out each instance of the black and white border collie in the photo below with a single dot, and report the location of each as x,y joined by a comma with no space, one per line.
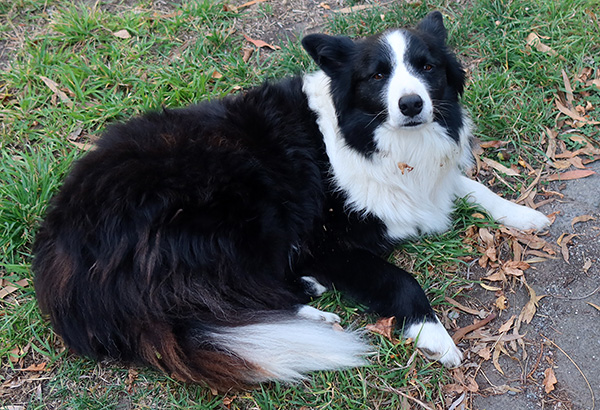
191,239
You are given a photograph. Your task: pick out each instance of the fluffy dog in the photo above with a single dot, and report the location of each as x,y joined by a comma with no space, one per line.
191,239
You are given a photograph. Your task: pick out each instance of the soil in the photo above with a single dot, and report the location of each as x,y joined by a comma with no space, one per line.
563,334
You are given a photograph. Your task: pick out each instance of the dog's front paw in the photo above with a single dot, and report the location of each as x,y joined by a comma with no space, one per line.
435,342
524,218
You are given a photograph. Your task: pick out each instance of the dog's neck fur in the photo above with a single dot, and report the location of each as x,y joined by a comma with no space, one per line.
408,183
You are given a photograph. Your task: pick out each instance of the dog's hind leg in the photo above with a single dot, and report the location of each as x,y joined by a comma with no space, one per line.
388,291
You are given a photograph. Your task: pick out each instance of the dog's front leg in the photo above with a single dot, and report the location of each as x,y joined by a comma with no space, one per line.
388,291
502,210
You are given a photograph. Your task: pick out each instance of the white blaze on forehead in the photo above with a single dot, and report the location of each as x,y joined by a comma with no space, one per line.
402,82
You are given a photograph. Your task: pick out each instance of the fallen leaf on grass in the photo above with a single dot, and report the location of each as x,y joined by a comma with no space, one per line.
568,88
581,218
250,3
6,287
54,87
36,367
384,327
352,9
84,146
501,168
248,51
573,114
260,43
124,34
493,144
533,39
549,380
569,175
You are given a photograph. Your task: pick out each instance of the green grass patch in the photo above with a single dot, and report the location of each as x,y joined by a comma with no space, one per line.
71,75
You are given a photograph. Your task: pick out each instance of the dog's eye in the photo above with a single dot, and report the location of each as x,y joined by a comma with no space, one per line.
378,76
427,67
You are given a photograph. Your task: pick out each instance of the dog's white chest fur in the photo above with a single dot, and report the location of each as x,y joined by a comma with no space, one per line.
409,183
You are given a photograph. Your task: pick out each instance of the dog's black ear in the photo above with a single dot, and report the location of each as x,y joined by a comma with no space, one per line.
433,23
330,53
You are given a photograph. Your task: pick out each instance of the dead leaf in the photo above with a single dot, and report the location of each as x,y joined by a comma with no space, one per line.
563,241
260,43
85,146
216,75
54,87
248,51
485,353
507,325
574,115
36,367
568,88
385,327
528,311
587,265
325,6
569,175
497,276
534,40
490,288
496,356
250,3
463,331
481,314
404,167
352,9
501,168
501,302
582,218
6,287
124,34
14,355
493,144
132,376
549,380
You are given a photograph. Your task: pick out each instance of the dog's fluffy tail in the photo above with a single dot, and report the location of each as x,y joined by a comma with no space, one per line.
280,348
287,349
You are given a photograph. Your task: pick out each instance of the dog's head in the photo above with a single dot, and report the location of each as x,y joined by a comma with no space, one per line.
402,79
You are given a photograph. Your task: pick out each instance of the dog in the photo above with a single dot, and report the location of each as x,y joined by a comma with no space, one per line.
191,239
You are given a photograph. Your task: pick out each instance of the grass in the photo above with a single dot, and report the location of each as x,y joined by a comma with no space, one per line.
191,52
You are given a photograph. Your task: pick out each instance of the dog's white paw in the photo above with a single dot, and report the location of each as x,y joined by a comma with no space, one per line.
435,342
524,218
313,287
309,312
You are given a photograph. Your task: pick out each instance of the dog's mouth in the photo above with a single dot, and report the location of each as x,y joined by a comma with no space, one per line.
411,124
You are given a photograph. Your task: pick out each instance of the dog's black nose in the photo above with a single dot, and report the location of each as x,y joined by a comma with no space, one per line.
410,105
